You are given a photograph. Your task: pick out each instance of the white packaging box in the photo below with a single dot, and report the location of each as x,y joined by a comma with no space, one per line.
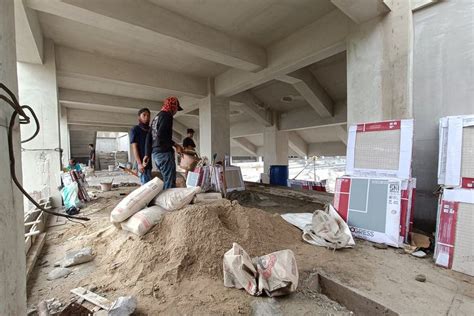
380,149
376,209
456,152
454,246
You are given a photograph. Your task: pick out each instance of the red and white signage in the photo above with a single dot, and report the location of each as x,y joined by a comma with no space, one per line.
380,149
456,152
455,231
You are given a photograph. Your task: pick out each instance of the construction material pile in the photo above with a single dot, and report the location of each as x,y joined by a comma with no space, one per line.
188,244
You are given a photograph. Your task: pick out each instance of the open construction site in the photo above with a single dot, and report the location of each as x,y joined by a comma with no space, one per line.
236,157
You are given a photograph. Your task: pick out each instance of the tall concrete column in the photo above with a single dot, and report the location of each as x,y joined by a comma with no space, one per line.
379,61
64,133
275,148
41,158
12,240
214,127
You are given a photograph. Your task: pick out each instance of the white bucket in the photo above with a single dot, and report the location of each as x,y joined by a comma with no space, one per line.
106,186
111,167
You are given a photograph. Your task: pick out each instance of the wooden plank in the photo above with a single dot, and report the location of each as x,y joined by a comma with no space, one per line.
33,233
33,254
92,297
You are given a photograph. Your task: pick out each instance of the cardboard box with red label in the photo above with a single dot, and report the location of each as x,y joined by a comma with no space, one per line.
456,152
454,248
376,209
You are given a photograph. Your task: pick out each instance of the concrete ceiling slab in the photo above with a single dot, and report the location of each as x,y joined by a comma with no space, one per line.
319,135
257,140
332,75
95,40
272,92
262,22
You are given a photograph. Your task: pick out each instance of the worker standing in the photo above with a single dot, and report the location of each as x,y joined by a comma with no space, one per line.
91,161
159,143
188,142
138,135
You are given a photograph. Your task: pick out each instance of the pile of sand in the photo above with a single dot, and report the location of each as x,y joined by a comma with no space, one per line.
188,244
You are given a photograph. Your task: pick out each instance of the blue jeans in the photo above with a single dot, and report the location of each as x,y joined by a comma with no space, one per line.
145,176
167,166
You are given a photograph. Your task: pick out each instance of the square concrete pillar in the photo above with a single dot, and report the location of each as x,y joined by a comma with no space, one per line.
275,148
12,240
64,133
379,80
214,127
41,158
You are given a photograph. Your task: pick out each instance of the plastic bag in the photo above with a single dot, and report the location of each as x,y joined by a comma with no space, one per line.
70,196
175,198
142,221
239,271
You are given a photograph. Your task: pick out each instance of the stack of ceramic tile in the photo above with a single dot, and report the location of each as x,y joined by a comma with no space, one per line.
376,195
455,221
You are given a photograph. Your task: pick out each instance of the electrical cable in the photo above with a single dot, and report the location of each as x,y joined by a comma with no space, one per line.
19,110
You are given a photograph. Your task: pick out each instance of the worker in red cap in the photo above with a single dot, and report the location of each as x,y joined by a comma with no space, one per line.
159,143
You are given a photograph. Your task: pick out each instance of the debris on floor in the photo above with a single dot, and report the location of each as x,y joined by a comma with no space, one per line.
57,273
123,306
77,257
420,278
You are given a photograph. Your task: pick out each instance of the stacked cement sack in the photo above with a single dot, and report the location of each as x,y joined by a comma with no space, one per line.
455,221
376,195
133,214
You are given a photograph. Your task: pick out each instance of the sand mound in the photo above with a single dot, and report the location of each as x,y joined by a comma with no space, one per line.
190,243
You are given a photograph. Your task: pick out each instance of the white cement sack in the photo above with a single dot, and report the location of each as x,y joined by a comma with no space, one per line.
239,271
136,200
73,258
277,273
328,229
175,198
142,221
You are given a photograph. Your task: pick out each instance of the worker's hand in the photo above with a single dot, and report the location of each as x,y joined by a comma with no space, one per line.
146,160
141,167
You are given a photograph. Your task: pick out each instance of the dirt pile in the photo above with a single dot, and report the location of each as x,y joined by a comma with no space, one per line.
190,243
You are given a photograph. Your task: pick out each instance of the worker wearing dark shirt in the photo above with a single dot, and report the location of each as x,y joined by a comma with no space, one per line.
188,142
91,161
159,142
138,135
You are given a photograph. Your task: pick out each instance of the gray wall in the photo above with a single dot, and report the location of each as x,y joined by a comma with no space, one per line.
443,84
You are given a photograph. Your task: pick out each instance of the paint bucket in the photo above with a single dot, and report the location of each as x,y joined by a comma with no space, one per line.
279,175
106,186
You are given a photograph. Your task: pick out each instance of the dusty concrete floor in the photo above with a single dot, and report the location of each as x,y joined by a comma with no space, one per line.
386,276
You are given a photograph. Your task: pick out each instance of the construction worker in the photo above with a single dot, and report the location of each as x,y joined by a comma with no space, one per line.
159,143
138,135
188,142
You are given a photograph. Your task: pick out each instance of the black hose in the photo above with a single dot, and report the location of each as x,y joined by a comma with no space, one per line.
24,119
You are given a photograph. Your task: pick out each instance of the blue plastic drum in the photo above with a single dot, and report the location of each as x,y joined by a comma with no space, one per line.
279,175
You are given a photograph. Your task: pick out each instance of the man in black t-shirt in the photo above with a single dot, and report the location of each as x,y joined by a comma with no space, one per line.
138,135
188,142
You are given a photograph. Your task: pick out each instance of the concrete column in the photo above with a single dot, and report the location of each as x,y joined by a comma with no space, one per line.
12,241
64,133
214,127
41,158
379,61
275,148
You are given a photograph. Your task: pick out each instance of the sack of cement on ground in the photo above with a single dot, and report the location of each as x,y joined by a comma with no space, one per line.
57,273
70,195
239,271
175,198
328,229
123,306
142,221
136,200
277,273
207,197
77,257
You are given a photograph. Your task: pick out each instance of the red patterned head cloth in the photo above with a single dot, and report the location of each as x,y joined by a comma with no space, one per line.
171,104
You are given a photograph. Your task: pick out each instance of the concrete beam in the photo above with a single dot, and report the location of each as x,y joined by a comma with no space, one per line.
297,144
246,145
311,90
319,40
97,128
104,101
304,118
243,129
327,149
254,107
84,65
362,11
341,131
421,4
29,37
147,22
